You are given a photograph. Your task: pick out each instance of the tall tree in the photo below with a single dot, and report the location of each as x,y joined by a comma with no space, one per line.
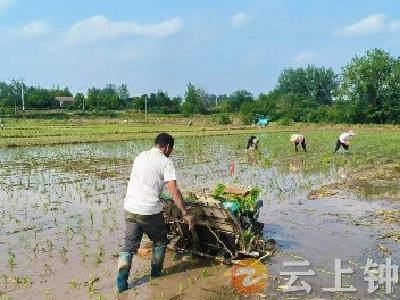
238,98
36,97
10,94
123,92
176,105
371,82
193,103
314,83
93,98
163,102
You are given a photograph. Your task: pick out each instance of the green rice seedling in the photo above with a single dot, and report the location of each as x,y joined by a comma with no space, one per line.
74,283
91,216
47,293
50,247
98,259
79,224
45,208
24,280
99,296
63,254
91,284
12,262
181,287
160,297
246,203
98,235
104,221
69,233
84,252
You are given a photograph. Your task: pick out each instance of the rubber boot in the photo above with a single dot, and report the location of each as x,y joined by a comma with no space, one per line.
157,259
124,268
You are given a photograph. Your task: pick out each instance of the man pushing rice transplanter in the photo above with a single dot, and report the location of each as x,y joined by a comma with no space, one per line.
151,171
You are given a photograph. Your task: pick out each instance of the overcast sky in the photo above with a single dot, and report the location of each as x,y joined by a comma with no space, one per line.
219,45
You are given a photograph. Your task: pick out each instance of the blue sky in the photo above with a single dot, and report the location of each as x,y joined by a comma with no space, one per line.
219,45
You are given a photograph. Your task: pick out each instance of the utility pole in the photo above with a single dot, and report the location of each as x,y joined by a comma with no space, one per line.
22,94
145,106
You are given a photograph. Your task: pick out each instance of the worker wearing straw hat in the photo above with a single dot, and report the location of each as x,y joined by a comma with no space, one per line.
344,140
297,139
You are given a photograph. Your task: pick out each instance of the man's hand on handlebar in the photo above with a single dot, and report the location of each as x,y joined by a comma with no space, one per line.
188,218
177,196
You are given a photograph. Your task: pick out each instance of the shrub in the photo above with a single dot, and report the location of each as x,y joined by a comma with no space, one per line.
223,119
285,121
247,119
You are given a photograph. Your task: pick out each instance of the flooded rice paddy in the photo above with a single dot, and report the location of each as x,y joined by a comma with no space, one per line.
61,219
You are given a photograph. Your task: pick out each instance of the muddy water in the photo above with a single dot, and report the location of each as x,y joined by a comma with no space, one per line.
61,223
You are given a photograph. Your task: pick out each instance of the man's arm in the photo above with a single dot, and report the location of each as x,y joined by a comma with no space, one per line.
176,196
178,199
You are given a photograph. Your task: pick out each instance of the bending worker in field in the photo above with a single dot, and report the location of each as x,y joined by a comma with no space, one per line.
252,143
344,140
297,139
151,170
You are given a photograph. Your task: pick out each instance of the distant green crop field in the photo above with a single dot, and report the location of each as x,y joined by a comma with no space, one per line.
31,132
42,132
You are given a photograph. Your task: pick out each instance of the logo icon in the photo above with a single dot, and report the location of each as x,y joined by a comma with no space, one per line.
249,276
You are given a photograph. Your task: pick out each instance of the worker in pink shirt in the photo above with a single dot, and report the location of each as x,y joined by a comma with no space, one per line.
344,140
297,139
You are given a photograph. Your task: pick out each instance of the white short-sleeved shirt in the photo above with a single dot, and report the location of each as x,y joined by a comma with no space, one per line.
254,144
345,137
297,138
151,170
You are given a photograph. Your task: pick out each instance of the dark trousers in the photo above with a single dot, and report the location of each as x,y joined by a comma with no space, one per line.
340,144
152,225
303,145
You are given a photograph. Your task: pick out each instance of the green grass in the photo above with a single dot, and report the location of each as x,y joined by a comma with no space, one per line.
29,132
373,145
320,138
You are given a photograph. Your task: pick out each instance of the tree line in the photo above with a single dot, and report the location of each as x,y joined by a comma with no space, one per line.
367,90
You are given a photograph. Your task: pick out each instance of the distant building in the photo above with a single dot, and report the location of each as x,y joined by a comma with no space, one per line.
65,101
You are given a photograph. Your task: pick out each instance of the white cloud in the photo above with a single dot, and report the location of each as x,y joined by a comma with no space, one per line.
34,29
304,56
394,26
370,24
6,4
240,20
101,28
30,30
377,23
